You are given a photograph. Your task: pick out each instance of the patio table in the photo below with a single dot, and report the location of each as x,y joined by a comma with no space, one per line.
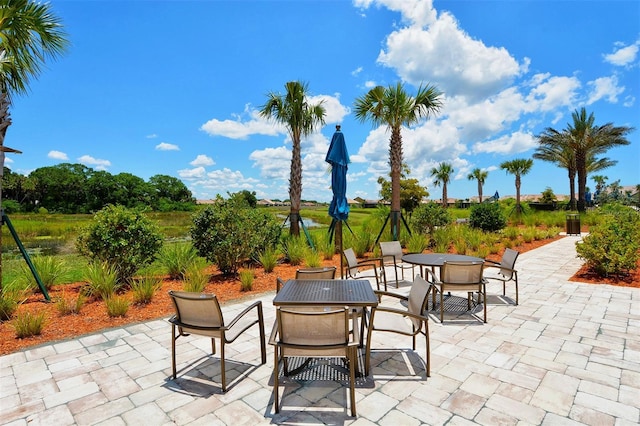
437,259
319,293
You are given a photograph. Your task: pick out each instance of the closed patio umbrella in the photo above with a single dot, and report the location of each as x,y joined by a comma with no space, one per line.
338,157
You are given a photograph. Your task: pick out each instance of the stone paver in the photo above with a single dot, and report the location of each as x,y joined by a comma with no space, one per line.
569,354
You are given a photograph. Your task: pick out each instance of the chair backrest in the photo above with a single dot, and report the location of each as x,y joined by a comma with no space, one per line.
197,309
418,298
326,273
391,248
313,328
351,258
508,261
462,272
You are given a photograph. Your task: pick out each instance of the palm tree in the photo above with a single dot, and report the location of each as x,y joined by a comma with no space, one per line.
589,140
518,167
480,176
300,118
442,176
29,35
393,107
555,147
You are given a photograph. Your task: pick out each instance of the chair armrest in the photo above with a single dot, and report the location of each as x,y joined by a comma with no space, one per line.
274,333
497,265
432,275
257,304
279,284
489,263
401,312
380,293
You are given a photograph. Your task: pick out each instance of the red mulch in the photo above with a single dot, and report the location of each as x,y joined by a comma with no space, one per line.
93,316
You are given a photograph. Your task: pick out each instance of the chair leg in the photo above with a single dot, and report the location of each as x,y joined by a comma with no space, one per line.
222,368
276,373
263,341
516,281
352,379
441,305
428,348
173,349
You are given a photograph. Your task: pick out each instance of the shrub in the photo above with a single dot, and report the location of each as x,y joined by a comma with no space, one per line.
488,217
246,279
68,306
312,258
50,269
195,278
102,280
429,216
269,259
612,246
145,288
417,243
294,249
229,232
117,306
28,324
176,258
124,238
10,298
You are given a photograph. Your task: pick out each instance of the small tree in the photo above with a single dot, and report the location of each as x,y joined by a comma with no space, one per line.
229,232
427,216
487,216
548,196
123,238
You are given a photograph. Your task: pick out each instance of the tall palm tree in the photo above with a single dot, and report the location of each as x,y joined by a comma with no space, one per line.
442,176
394,107
481,177
518,167
588,141
555,147
300,118
29,35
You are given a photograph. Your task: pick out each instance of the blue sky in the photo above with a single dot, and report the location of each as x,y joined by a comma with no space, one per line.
174,87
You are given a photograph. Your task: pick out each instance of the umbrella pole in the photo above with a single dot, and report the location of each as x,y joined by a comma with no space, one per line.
338,235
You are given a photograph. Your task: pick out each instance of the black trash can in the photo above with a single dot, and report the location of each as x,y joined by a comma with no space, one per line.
573,224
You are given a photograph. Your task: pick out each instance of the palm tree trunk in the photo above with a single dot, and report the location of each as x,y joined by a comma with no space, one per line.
518,208
5,122
395,159
572,189
480,191
295,189
581,168
445,198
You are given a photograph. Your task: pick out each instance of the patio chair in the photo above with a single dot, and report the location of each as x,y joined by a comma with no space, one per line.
506,272
391,252
200,314
314,334
354,267
461,276
324,273
392,319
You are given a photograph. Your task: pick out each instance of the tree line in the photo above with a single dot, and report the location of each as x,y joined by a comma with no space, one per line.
75,188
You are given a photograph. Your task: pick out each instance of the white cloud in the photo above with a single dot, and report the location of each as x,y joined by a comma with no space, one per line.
514,143
550,93
151,136
415,12
58,155
99,164
370,84
444,53
237,129
356,72
191,174
624,55
202,160
604,88
167,147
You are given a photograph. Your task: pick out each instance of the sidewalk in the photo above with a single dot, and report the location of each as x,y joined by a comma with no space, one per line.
569,354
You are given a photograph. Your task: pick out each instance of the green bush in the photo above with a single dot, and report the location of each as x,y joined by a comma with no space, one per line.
246,279
51,270
145,288
417,243
28,324
117,306
429,216
612,246
195,278
269,259
294,249
312,258
68,306
124,238
176,258
229,232
102,280
488,217
10,298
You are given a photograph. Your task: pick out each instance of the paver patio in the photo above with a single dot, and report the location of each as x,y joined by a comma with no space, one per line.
568,354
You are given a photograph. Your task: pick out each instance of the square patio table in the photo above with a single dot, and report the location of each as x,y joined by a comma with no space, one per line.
318,293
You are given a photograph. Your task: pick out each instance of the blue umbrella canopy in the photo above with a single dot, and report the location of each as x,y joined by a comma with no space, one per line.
338,157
